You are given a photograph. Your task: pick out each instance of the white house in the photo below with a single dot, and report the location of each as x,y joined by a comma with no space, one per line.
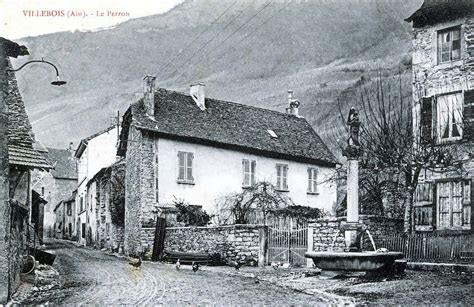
198,149
93,153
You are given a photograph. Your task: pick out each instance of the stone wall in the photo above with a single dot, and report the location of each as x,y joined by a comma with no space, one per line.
234,242
433,78
132,193
326,231
141,206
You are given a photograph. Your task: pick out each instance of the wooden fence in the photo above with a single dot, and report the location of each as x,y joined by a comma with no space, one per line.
458,248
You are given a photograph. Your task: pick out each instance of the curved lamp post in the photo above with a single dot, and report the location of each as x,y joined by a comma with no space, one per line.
58,81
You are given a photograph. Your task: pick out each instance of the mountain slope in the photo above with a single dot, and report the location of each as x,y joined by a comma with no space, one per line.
320,49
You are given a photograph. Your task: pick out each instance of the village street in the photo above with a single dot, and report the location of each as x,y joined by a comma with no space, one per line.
90,277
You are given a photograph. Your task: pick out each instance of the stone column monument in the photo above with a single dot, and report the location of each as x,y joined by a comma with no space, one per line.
352,151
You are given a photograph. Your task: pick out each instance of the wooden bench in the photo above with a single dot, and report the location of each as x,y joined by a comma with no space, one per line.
190,257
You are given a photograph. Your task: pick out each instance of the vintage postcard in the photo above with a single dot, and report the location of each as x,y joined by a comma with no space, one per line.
236,152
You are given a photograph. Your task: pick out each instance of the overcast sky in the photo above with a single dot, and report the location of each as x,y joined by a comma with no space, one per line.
21,18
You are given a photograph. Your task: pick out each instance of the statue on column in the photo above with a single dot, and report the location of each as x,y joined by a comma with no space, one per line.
352,149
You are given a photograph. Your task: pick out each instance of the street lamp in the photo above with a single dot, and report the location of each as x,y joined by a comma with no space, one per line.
58,81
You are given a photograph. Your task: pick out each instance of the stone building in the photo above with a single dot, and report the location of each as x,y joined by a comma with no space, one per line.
17,160
443,96
197,149
108,190
93,153
56,185
64,218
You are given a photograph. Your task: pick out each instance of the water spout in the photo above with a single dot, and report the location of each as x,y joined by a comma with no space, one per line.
371,239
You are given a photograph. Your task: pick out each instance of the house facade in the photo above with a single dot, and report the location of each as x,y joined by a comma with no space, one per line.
199,150
93,153
17,160
65,219
107,188
443,95
56,185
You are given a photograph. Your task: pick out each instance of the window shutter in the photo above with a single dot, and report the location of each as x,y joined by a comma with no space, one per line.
181,166
252,172
468,115
427,120
243,172
309,180
190,166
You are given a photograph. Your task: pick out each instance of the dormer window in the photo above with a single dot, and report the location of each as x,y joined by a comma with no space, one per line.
449,45
272,134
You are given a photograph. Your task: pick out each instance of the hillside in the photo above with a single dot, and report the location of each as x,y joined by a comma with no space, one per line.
320,49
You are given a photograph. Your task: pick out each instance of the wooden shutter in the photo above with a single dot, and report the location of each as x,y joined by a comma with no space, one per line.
252,172
426,119
189,166
181,166
468,115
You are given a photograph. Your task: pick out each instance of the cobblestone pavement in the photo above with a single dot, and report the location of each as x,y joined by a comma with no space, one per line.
89,276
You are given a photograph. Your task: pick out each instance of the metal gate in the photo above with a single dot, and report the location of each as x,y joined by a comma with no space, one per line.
288,245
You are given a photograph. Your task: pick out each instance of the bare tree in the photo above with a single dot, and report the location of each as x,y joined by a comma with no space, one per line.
262,197
396,144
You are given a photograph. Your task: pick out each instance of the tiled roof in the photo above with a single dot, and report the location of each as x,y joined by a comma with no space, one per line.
232,125
20,136
24,156
19,128
432,11
63,162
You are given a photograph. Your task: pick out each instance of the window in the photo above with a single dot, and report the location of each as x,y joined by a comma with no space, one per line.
185,162
272,134
423,201
282,177
68,209
83,230
81,200
450,115
312,180
42,191
454,210
248,172
449,45
69,226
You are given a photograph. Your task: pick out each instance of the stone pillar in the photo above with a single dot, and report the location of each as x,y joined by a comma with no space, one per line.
352,204
309,261
263,246
4,206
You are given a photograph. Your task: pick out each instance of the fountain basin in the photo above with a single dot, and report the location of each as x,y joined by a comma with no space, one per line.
353,261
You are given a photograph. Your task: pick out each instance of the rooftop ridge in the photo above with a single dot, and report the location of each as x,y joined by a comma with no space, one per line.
230,102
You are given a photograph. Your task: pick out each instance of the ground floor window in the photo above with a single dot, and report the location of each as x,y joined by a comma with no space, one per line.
454,204
83,230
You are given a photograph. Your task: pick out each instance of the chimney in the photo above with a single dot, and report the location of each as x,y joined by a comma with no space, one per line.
293,104
70,148
149,94
197,93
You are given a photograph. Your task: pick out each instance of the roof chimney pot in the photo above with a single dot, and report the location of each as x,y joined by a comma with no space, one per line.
293,104
149,94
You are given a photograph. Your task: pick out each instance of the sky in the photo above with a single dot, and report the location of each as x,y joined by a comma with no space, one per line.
22,18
